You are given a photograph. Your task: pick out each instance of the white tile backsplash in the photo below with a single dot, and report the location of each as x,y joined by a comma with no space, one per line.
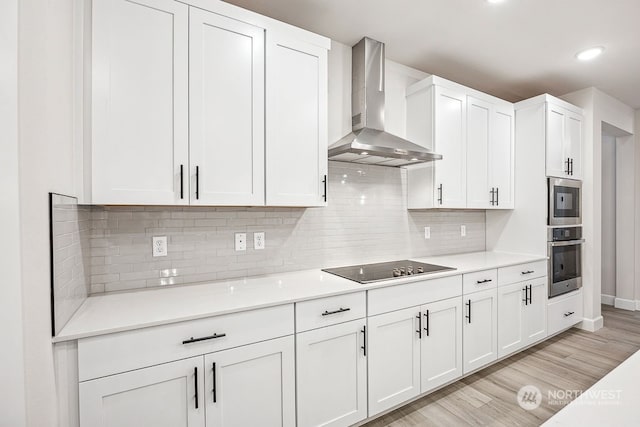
366,220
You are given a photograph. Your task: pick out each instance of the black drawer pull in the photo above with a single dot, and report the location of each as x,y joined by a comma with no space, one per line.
340,310
192,339
528,272
480,282
569,313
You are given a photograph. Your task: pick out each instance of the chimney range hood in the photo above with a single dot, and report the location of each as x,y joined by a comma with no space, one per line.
368,142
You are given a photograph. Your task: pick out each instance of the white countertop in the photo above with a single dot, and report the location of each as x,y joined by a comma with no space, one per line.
612,401
124,311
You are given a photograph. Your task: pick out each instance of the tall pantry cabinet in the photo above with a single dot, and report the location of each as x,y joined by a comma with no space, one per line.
205,104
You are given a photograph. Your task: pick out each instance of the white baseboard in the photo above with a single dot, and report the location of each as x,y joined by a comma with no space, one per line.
625,304
607,299
591,325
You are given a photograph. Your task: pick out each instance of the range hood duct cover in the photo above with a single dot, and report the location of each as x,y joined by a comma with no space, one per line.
368,142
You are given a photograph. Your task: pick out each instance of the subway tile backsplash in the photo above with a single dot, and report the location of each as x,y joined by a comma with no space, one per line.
366,221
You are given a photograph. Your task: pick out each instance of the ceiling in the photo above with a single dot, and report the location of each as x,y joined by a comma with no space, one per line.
513,50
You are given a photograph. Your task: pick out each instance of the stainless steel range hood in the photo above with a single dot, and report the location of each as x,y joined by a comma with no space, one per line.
369,143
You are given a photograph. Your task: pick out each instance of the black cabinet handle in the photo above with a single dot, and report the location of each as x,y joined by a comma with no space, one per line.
527,272
364,340
419,331
480,282
324,182
426,315
530,293
526,295
211,337
568,170
493,196
213,390
197,182
195,373
571,167
497,196
468,304
182,181
340,310
440,194
569,313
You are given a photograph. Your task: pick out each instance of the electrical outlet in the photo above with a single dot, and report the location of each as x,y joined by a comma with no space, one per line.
241,241
427,232
463,230
159,247
258,240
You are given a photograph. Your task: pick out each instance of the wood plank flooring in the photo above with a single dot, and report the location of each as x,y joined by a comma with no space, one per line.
573,360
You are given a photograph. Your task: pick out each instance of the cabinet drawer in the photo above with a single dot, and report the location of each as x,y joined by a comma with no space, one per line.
330,311
124,351
520,272
402,296
564,312
479,281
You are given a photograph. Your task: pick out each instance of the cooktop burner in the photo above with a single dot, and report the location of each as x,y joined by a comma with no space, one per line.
368,273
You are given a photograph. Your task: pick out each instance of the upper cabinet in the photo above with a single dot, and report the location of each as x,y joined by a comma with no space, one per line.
564,141
205,107
140,102
296,122
474,132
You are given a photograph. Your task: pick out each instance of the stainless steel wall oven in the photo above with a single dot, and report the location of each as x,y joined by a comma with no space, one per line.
565,259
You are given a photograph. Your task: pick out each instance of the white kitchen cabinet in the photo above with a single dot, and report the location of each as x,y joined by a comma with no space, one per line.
479,330
226,110
331,375
522,312
490,155
437,119
167,395
394,358
140,137
252,385
564,142
205,107
441,343
296,136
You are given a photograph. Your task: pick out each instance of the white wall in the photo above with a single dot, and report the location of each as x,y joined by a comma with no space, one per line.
46,126
608,215
12,396
598,108
637,210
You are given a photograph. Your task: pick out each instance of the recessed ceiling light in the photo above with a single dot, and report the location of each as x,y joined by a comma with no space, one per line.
495,1
589,54
364,153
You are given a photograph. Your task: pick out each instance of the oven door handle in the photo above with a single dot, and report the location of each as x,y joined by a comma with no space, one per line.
566,243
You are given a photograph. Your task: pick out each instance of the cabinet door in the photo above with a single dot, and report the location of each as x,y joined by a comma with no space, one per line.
441,346
479,117
226,105
511,304
556,154
296,144
535,312
479,329
167,395
450,141
253,385
139,102
573,143
394,358
502,157
332,375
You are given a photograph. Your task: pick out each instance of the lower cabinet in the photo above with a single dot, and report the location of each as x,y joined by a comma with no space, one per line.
221,385
479,329
252,385
332,375
522,310
413,351
167,395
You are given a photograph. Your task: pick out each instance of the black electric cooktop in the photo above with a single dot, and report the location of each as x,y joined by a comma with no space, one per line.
369,273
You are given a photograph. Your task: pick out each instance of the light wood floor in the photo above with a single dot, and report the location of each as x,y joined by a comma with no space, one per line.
573,360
